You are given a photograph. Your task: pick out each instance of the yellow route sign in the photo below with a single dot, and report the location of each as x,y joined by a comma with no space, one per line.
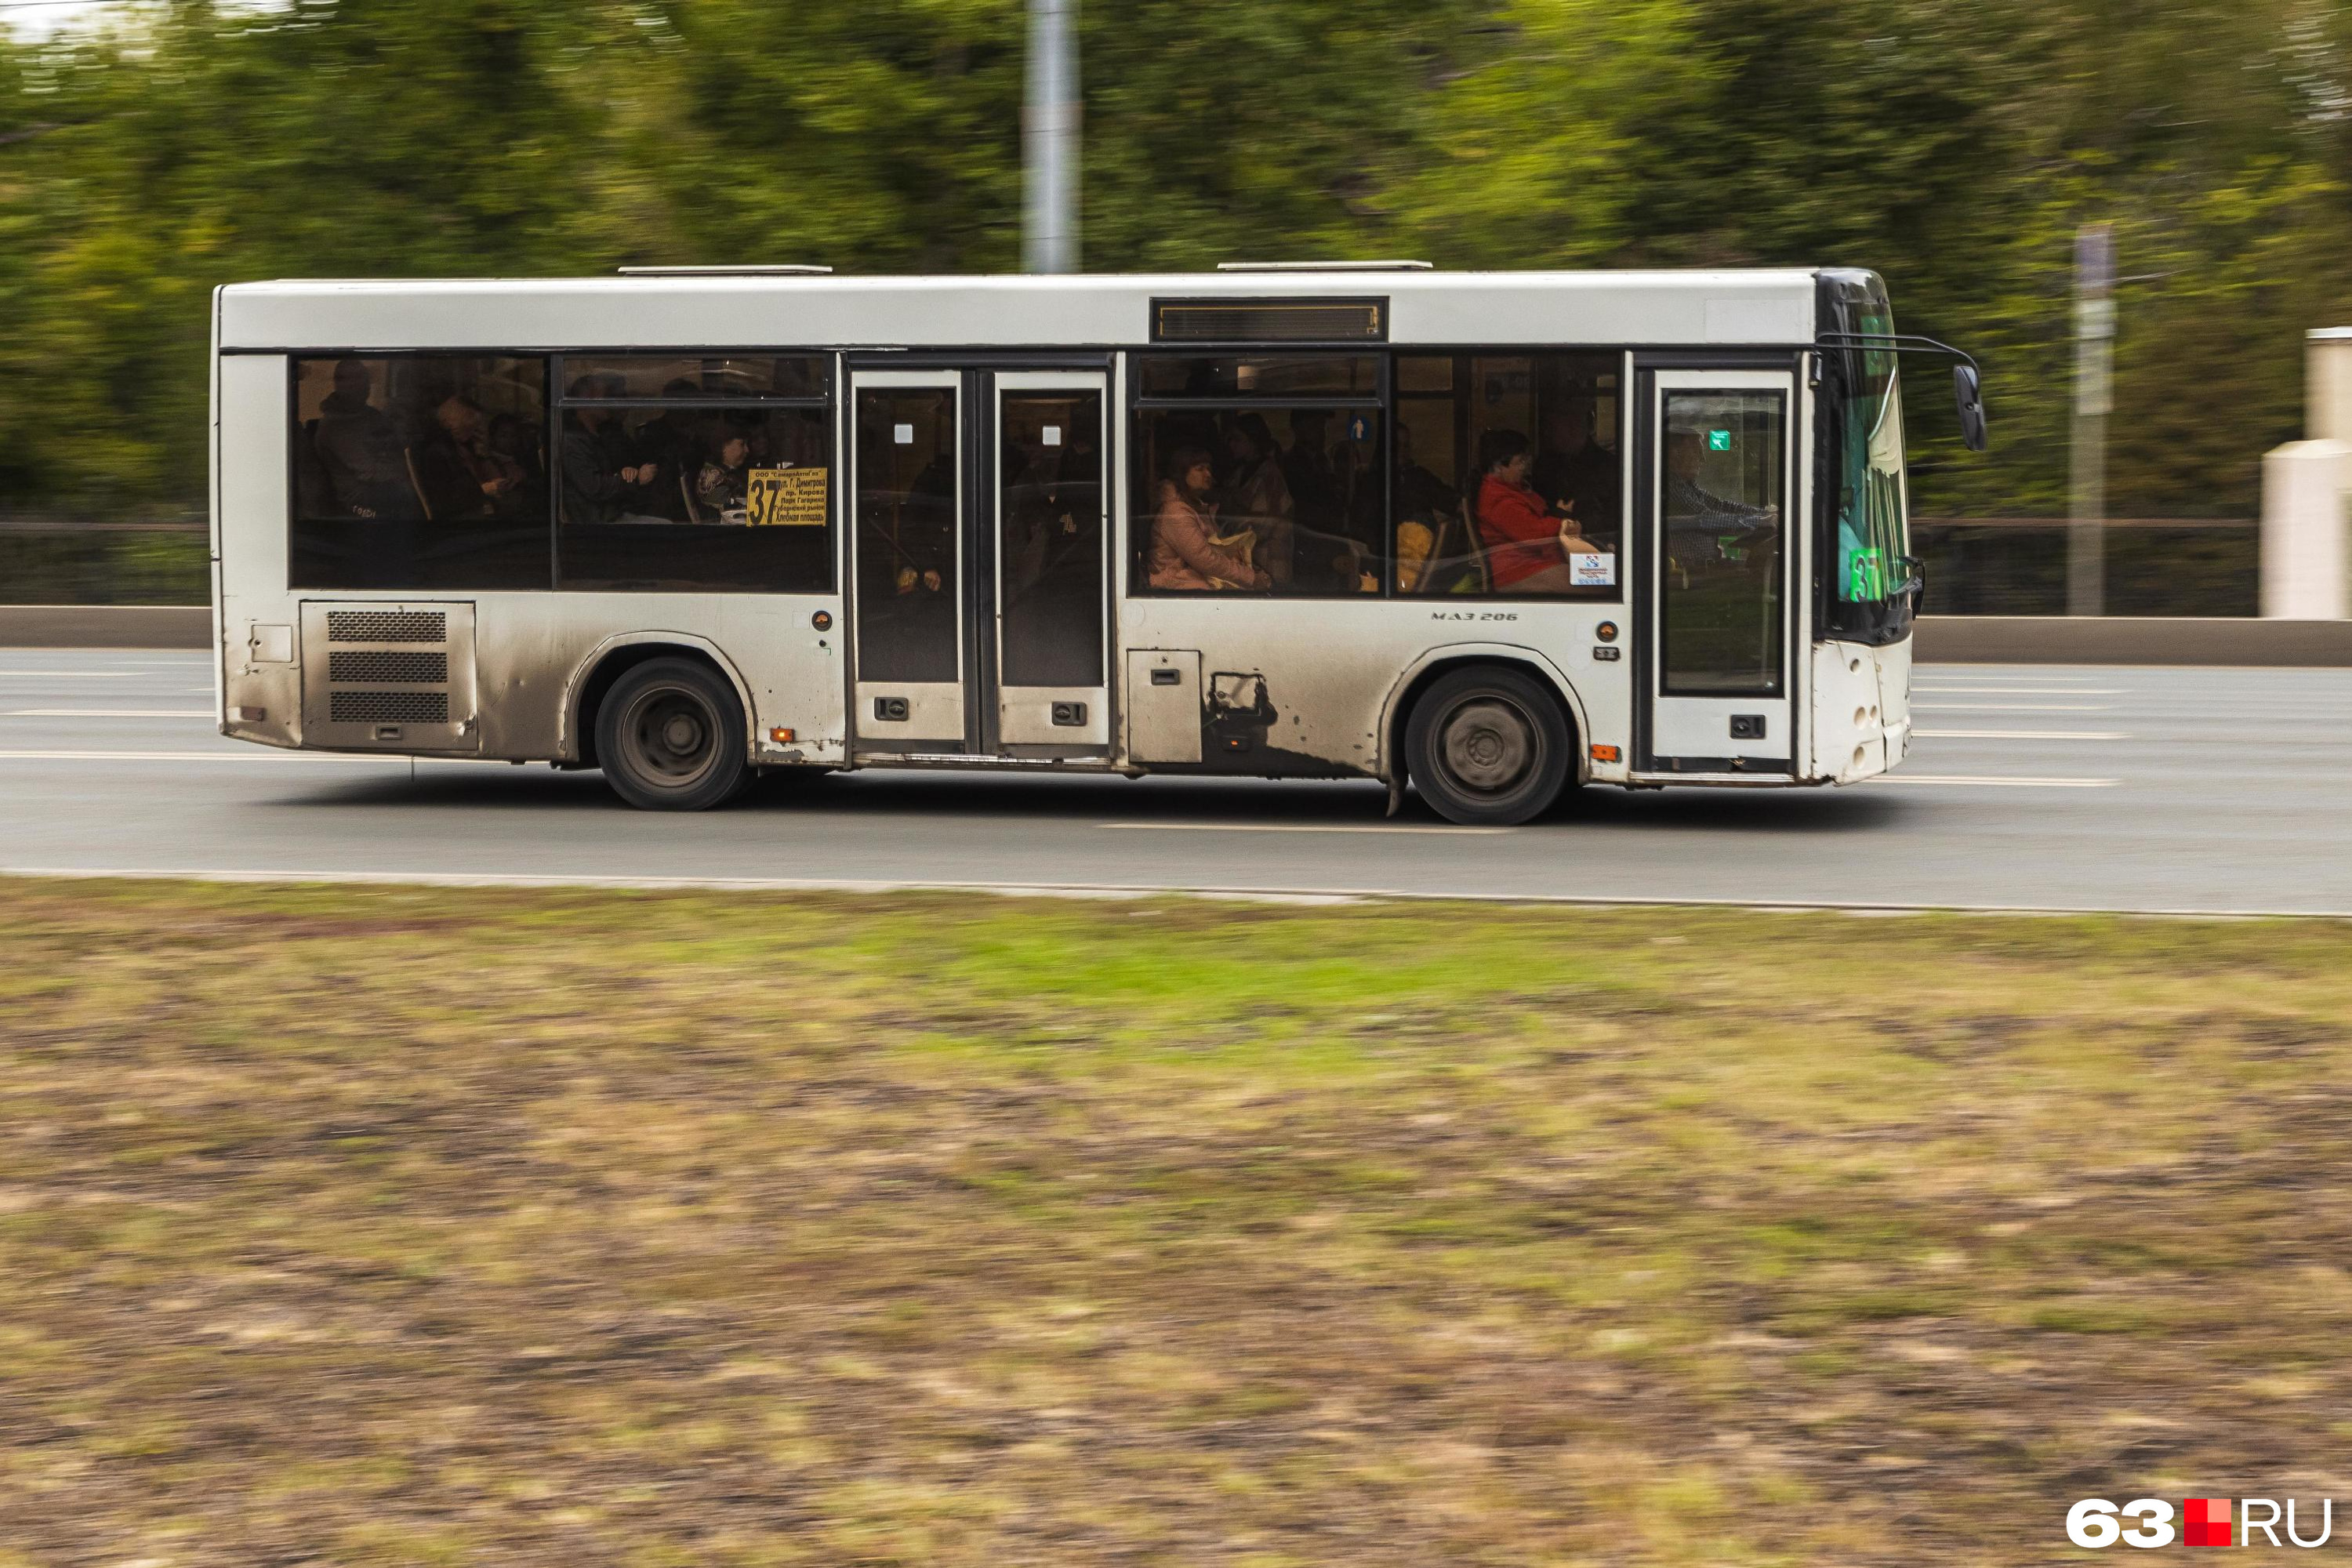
787,498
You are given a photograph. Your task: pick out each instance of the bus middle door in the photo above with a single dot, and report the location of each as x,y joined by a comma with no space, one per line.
979,562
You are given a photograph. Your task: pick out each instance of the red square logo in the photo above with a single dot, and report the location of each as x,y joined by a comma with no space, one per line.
2205,1521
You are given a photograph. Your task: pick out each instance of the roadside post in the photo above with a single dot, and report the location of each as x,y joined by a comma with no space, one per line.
2094,335
1049,230
2306,567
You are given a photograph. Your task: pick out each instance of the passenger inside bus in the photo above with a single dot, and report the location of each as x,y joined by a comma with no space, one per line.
675,442
1311,474
603,480
1258,496
458,474
1427,513
1577,474
1187,551
723,486
359,447
1527,541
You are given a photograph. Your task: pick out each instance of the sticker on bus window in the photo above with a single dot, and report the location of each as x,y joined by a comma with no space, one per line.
1592,569
1719,440
903,435
1053,435
786,498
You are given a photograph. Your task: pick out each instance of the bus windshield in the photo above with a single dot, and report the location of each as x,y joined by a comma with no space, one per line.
1872,536
1870,564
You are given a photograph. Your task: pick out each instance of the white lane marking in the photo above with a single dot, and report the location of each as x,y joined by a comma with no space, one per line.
2026,690
1279,827
1994,783
71,674
2012,708
108,713
2022,734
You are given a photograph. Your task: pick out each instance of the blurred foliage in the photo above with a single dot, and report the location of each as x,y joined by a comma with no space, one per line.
1955,146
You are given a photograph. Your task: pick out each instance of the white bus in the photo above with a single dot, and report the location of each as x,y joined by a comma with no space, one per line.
1494,534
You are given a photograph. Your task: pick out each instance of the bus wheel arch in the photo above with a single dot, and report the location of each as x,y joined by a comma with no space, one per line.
614,658
1554,727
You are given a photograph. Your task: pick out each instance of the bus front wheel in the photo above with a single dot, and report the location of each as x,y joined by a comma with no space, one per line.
669,736
1487,747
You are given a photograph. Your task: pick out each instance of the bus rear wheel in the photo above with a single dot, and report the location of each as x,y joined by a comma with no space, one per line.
1487,748
669,736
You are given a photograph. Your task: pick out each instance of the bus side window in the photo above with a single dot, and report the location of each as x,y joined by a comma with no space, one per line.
696,473
1261,473
1506,479
419,471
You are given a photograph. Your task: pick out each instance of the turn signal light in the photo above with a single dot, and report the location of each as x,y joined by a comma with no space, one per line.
1605,754
781,737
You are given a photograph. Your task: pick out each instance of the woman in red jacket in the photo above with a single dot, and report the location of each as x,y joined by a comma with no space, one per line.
1527,542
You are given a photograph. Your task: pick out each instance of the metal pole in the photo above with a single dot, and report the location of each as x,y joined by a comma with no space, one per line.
1049,230
2094,336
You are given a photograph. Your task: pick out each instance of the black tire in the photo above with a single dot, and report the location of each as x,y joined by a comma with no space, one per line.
1488,748
671,736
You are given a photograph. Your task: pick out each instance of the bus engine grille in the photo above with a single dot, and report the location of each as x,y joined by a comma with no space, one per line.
387,626
388,708
391,677
368,665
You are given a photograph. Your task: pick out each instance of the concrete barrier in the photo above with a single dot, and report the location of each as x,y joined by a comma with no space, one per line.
106,625
1944,639
2131,639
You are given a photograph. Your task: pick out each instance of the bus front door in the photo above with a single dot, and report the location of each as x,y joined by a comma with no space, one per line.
978,564
1720,572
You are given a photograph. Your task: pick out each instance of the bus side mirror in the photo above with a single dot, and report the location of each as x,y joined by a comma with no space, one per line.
1971,402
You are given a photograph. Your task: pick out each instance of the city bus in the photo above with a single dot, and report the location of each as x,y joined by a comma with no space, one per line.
1482,536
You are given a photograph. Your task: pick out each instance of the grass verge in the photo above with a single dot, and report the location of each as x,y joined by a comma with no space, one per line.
390,1226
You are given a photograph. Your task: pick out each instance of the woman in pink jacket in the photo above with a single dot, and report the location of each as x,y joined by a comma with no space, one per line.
1184,551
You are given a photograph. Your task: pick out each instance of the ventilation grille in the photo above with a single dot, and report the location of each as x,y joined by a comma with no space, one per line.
1283,321
347,664
389,707
387,626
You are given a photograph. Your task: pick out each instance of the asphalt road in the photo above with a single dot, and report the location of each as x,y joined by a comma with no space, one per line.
2139,789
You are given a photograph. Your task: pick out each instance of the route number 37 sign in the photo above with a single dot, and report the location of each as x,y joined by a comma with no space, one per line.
786,498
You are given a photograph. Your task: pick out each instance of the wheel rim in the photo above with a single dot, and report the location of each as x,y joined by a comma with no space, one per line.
1489,746
672,737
